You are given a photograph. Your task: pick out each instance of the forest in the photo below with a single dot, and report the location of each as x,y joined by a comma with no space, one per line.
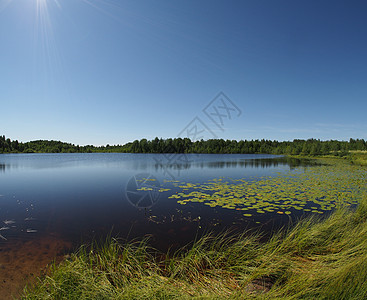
185,145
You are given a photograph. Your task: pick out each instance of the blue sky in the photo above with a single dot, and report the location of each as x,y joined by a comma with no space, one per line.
108,71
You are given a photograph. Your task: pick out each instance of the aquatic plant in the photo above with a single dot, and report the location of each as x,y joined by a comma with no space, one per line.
315,189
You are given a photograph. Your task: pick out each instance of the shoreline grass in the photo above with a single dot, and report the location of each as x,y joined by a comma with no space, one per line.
323,259
354,157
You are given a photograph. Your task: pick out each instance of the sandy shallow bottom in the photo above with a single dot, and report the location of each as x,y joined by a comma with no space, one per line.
21,262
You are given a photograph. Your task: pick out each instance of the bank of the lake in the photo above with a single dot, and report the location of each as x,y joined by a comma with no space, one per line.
314,260
318,258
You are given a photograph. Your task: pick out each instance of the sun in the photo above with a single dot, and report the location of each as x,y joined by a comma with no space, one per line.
40,3
44,4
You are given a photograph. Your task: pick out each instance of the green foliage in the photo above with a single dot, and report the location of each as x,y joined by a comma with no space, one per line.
358,158
178,145
44,146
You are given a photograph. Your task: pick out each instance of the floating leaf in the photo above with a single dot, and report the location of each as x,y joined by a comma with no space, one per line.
316,189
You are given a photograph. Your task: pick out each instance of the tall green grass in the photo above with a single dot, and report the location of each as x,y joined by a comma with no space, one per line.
358,158
316,259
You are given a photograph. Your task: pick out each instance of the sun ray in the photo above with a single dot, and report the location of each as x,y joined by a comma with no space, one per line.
46,54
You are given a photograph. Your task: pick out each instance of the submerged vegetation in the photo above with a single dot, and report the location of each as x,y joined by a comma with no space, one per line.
317,258
185,145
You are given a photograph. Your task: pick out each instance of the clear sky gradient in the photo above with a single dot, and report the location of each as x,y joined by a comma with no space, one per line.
111,71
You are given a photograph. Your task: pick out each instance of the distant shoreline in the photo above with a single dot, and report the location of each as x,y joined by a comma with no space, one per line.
308,147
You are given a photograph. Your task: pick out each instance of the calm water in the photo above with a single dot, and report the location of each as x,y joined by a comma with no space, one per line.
78,197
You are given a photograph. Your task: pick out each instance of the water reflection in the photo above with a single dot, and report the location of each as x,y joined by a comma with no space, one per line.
240,163
148,161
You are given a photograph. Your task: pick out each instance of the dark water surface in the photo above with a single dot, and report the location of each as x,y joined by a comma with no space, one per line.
79,197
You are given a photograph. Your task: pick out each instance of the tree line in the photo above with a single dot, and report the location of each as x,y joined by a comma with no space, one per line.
45,146
185,145
220,146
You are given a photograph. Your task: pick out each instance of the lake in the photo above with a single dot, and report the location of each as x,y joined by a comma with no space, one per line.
83,196
52,203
